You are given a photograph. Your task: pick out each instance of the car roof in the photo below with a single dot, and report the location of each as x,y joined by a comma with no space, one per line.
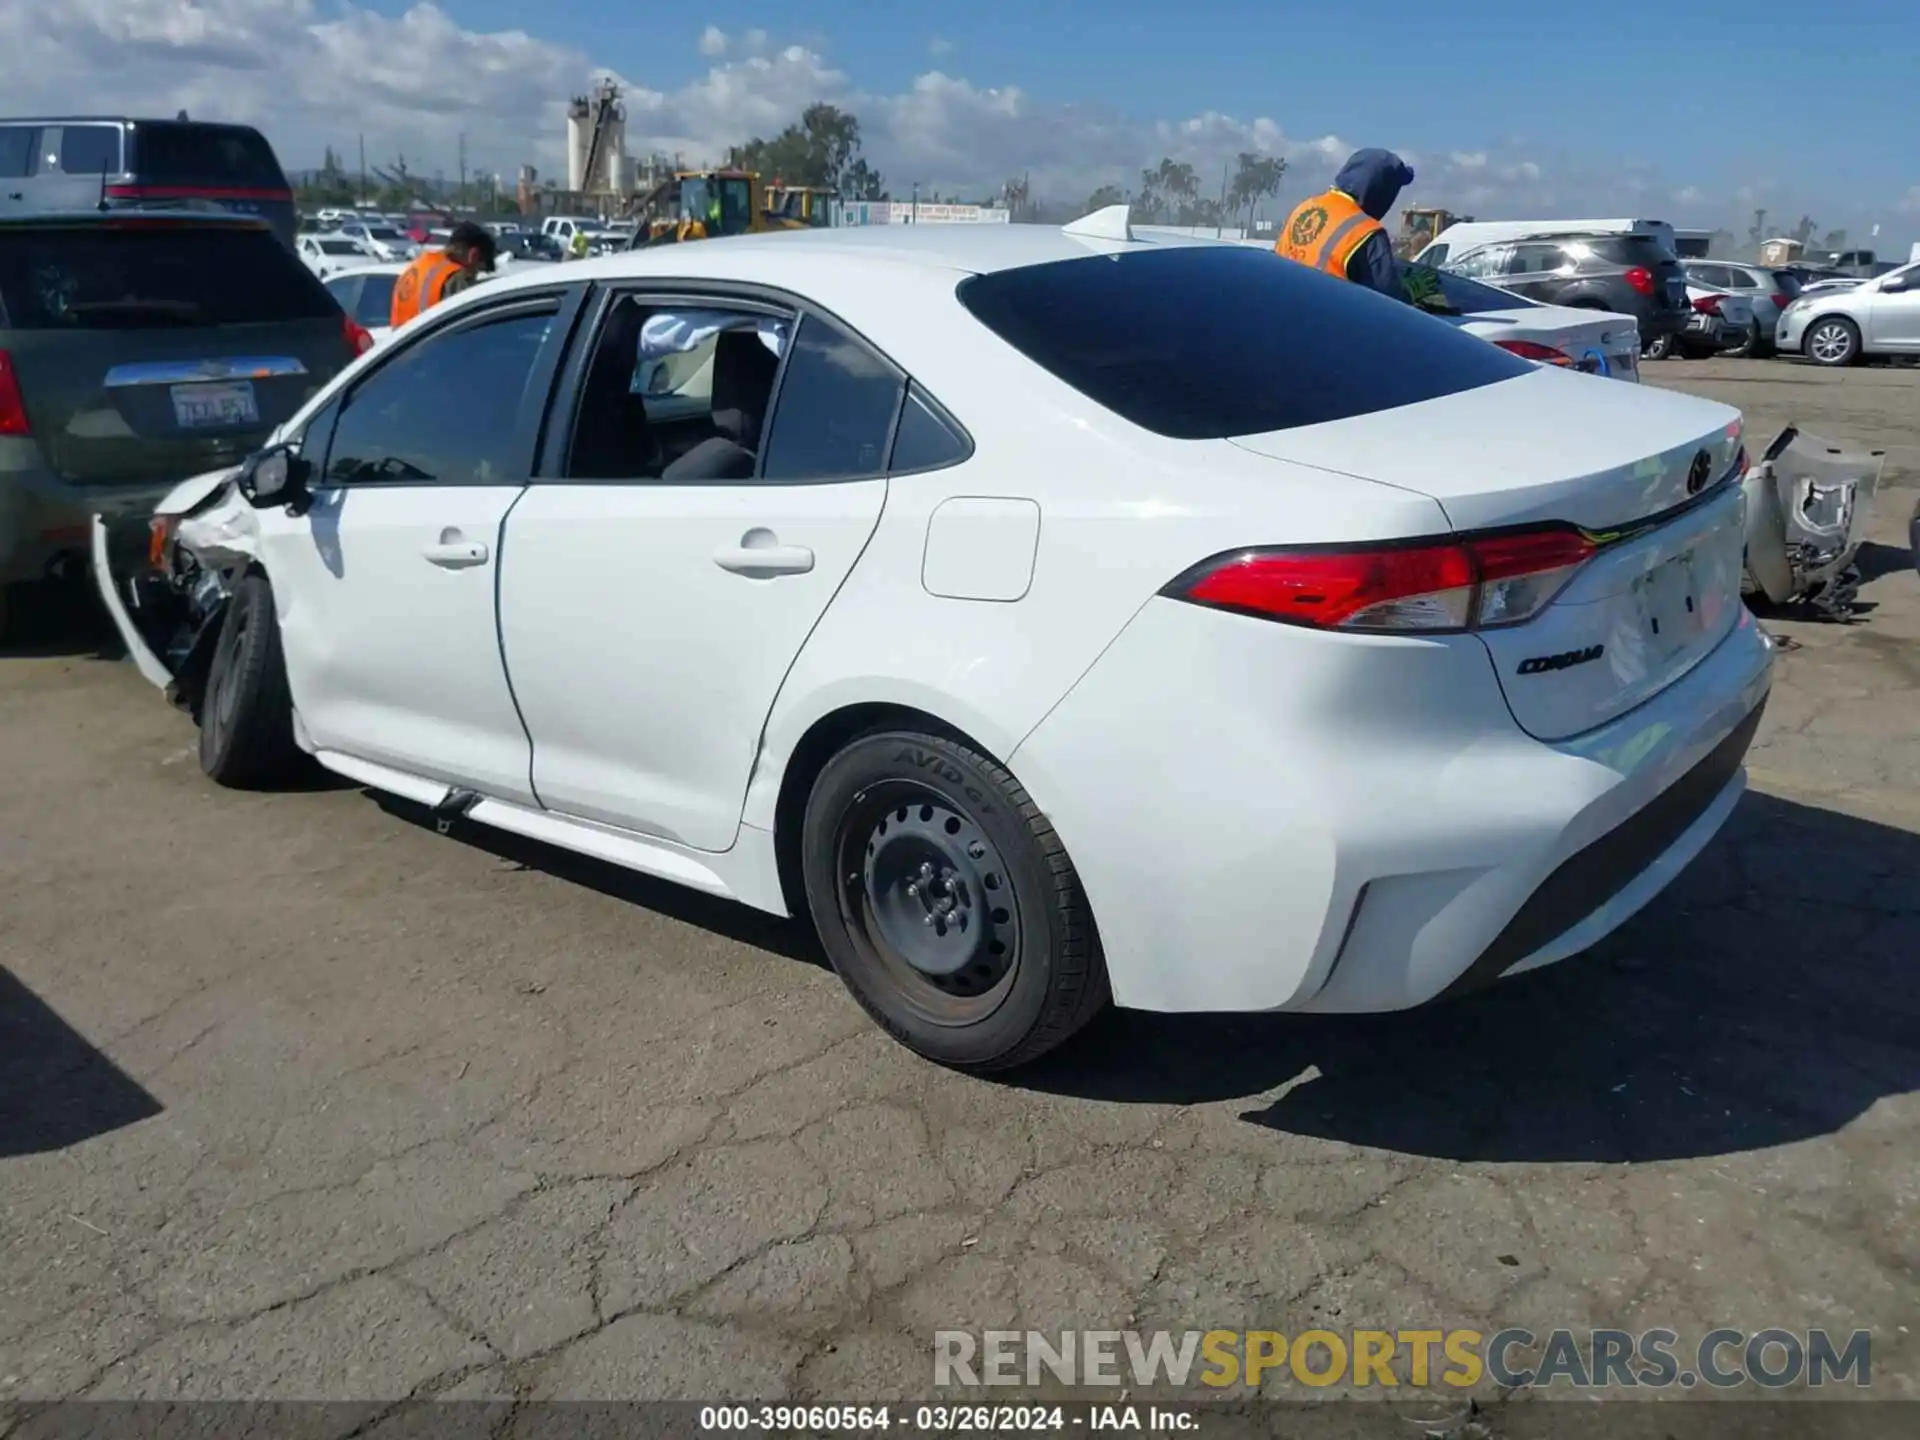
385,267
962,248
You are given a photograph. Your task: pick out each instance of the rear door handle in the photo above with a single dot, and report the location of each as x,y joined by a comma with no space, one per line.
456,554
761,561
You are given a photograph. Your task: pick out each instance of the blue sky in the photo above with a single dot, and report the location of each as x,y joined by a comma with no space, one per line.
1694,112
1820,100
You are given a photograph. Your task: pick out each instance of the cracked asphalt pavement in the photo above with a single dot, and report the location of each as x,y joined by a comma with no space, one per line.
299,1099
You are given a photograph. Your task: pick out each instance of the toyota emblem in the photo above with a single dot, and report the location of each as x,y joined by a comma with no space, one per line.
1698,471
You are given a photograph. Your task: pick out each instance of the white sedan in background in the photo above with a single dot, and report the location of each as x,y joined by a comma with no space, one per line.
1593,342
326,254
366,293
1048,614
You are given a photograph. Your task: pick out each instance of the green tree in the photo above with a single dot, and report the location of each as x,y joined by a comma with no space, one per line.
1255,178
821,148
1105,196
1836,241
1169,191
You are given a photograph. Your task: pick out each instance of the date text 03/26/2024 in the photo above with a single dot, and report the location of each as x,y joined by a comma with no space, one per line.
941,1419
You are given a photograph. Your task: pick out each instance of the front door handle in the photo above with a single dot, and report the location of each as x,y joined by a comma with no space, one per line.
456,554
763,561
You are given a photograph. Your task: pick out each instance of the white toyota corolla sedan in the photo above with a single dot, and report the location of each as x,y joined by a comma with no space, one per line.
1050,614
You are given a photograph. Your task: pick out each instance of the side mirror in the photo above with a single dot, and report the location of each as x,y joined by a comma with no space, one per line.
274,476
1896,284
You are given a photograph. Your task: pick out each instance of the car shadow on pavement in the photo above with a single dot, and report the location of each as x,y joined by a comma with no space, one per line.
1766,998
1876,560
56,1089
57,617
785,938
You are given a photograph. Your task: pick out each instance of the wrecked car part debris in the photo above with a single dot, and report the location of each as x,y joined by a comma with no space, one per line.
1808,503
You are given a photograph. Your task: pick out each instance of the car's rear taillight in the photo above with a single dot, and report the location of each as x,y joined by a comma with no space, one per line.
13,409
1708,304
1783,301
1533,350
1641,279
358,336
1452,583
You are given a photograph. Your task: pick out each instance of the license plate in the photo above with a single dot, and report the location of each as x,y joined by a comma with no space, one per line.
1670,608
213,407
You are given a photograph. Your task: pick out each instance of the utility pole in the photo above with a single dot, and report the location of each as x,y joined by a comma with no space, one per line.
1220,215
913,215
363,168
463,168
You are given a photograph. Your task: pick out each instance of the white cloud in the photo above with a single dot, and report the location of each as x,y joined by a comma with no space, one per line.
1909,204
314,73
1689,195
939,45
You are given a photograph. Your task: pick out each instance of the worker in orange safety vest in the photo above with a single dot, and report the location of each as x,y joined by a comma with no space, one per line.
1339,231
467,257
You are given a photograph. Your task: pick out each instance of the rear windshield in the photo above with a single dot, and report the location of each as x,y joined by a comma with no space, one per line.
1207,341
1641,250
341,247
152,276
1461,296
176,153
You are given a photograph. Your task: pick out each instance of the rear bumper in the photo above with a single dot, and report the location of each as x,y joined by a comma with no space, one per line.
44,521
1297,821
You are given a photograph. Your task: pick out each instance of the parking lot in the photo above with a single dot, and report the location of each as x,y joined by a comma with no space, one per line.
302,1099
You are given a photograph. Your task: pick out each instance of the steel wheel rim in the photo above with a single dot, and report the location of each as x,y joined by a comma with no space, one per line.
1831,342
927,899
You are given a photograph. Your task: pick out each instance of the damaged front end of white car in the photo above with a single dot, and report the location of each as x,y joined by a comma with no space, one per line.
1809,502
166,584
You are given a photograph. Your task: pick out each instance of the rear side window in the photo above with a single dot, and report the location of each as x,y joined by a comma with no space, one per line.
175,153
1630,250
16,150
133,275
834,411
1203,342
925,439
90,149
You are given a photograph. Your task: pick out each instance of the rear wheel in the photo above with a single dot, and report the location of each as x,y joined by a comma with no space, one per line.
947,903
1661,347
246,717
1751,347
1834,341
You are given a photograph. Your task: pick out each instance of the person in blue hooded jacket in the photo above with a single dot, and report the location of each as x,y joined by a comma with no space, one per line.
1340,230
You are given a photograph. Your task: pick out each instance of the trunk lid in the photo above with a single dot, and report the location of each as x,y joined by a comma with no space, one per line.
147,351
1597,341
1650,473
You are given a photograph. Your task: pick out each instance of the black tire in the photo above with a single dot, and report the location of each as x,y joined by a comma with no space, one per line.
907,843
1748,349
1661,347
1836,336
246,717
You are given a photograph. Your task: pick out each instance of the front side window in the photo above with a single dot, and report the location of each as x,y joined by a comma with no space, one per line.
1479,264
445,410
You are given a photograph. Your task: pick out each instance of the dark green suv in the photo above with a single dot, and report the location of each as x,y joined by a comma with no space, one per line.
137,349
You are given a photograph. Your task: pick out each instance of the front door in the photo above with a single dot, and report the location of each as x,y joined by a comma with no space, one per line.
386,584
659,586
1893,322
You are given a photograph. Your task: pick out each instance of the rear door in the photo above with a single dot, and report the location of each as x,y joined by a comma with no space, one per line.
150,350
658,585
1536,269
1893,319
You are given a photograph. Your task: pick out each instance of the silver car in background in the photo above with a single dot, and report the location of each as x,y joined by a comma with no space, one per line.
1767,289
1843,327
